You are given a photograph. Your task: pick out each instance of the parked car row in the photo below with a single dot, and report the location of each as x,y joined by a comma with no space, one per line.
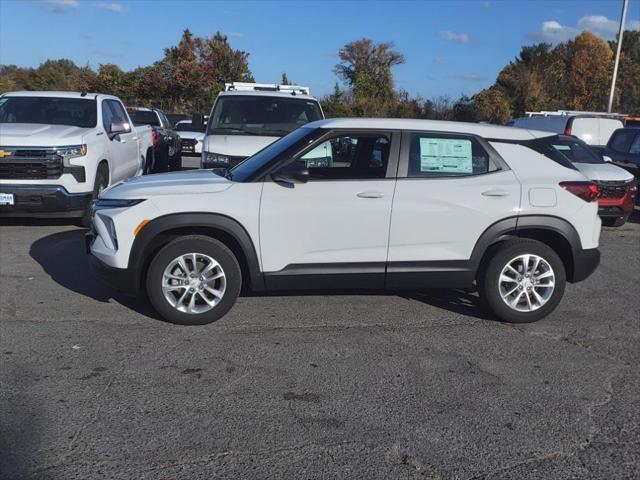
593,155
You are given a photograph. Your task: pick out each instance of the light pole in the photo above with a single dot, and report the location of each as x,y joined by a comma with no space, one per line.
615,65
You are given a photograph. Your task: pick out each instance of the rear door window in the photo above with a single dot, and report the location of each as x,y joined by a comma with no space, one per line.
447,155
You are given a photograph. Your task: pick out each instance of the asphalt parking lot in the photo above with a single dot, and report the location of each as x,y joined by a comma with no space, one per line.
93,385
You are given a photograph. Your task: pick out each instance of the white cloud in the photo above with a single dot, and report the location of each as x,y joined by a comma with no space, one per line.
553,32
112,7
63,3
600,25
454,36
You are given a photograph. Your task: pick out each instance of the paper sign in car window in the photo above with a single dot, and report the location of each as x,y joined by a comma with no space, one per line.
445,155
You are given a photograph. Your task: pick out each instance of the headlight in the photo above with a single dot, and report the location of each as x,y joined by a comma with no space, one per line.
105,203
210,158
68,152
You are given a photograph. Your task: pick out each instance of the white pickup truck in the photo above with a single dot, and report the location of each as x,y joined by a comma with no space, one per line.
58,150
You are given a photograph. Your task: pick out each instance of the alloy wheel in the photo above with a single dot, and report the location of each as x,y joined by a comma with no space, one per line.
526,283
193,283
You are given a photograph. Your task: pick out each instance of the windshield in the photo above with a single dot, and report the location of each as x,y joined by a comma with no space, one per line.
261,115
76,112
576,152
258,161
188,127
144,117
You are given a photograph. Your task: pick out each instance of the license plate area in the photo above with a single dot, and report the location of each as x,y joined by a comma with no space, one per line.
7,199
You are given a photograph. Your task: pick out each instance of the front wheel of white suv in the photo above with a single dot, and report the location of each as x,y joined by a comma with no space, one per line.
523,281
193,280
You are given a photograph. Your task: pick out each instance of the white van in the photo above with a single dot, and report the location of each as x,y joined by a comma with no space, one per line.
247,117
593,128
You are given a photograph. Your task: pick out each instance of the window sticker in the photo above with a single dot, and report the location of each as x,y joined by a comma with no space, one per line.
445,155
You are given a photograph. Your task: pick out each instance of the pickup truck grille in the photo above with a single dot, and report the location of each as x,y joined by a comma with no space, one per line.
612,189
233,161
30,164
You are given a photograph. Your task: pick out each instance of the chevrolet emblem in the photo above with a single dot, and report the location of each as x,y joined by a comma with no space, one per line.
4,153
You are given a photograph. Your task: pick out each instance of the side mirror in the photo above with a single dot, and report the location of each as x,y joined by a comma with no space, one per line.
117,127
607,159
197,121
294,172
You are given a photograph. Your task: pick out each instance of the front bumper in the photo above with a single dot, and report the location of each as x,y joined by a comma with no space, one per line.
120,279
585,263
44,201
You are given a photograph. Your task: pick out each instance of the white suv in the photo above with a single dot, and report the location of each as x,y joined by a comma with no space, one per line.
398,204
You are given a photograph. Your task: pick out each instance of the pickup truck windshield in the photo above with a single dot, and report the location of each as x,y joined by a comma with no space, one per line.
76,112
144,117
261,115
256,163
188,127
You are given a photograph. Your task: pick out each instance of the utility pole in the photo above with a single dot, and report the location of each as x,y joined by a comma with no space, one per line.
625,3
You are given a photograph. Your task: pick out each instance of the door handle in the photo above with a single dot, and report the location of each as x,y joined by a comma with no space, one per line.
495,193
370,194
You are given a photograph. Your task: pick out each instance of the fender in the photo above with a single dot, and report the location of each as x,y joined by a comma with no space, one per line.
513,226
144,241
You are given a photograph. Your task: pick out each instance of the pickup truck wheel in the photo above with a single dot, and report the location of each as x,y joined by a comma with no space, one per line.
523,281
193,280
101,182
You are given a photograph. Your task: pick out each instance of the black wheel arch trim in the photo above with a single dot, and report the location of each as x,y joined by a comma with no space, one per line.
516,225
144,241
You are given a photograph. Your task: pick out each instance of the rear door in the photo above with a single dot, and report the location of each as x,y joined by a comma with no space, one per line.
332,231
451,187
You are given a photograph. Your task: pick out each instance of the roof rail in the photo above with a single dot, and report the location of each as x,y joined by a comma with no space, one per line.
265,87
566,113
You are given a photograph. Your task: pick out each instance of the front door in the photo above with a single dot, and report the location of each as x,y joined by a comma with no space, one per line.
124,146
333,230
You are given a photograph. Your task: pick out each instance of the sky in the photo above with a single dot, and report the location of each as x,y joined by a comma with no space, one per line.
450,47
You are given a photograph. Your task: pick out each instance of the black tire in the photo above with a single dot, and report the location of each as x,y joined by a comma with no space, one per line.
149,161
101,182
202,245
175,164
497,258
615,222
161,163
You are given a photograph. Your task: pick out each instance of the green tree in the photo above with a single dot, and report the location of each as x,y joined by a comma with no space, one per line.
366,68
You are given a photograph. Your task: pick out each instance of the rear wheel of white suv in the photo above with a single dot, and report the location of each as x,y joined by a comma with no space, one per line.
193,280
522,281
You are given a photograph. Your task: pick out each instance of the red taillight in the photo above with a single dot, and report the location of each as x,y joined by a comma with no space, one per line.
588,191
154,137
567,131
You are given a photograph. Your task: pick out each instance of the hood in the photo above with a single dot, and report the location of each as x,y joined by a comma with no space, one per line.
174,183
197,135
37,135
603,171
236,145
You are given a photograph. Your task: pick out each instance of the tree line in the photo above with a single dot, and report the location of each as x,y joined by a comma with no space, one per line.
574,75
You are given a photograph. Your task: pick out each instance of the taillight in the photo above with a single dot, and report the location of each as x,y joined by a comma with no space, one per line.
567,131
154,137
587,191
